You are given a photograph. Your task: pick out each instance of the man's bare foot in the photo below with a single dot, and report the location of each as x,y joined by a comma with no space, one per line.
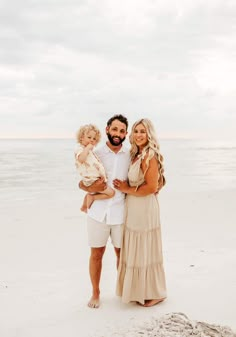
151,303
90,200
94,303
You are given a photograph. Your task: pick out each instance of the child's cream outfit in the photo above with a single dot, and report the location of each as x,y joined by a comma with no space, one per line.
91,169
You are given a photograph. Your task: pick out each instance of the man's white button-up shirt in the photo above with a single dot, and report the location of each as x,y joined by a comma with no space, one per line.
116,166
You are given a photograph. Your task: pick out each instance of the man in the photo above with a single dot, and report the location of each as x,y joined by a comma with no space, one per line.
105,217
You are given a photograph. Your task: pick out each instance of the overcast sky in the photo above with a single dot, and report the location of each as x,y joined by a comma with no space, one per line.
68,62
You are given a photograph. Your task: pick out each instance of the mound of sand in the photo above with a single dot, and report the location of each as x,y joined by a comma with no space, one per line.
175,325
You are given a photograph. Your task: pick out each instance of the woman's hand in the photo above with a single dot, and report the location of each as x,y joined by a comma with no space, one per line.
121,185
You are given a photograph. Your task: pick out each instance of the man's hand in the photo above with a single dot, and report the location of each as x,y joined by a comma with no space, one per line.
98,186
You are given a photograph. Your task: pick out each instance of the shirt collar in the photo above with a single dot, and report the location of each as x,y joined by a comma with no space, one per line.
122,149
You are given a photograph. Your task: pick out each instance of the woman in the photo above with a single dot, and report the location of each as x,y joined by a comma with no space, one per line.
141,276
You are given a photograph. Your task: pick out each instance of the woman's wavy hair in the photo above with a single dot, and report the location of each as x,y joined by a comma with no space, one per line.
85,129
152,148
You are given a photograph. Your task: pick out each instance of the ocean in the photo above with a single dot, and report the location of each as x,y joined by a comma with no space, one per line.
35,169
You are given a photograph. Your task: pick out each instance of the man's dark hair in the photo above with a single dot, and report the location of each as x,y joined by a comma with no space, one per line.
120,118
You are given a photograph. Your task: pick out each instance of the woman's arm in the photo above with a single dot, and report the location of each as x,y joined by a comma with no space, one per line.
151,180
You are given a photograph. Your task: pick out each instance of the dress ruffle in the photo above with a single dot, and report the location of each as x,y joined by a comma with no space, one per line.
141,274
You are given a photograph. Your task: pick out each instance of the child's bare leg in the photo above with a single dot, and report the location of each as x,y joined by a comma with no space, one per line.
109,192
84,205
106,194
90,199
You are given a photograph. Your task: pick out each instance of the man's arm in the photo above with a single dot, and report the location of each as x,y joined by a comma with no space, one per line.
98,186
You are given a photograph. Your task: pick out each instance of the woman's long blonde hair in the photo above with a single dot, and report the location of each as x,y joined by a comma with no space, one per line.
152,148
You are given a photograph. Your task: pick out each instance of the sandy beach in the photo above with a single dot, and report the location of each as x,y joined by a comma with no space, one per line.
67,63
44,282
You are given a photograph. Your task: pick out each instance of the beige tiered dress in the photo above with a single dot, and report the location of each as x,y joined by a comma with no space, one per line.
140,274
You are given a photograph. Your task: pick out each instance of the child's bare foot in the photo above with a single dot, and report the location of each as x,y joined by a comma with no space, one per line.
84,206
90,200
83,209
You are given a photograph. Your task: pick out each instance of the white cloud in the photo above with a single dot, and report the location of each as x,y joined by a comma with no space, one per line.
215,71
65,62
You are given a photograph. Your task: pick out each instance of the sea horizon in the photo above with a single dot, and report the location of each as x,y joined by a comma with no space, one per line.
210,138
31,168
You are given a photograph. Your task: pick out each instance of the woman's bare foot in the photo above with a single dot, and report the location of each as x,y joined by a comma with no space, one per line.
90,200
94,303
151,303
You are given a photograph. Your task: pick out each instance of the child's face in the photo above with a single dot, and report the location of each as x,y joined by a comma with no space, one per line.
89,138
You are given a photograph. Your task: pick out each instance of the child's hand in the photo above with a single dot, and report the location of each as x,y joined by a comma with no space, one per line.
89,146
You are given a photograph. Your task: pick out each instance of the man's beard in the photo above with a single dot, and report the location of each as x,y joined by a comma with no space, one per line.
111,139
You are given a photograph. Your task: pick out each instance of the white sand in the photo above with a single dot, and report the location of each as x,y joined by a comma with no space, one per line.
44,282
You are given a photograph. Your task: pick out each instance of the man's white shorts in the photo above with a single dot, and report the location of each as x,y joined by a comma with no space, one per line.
99,233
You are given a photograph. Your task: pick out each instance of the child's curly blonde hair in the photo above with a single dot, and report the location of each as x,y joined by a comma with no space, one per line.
85,129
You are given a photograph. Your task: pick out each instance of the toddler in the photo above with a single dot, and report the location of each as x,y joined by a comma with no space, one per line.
88,164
